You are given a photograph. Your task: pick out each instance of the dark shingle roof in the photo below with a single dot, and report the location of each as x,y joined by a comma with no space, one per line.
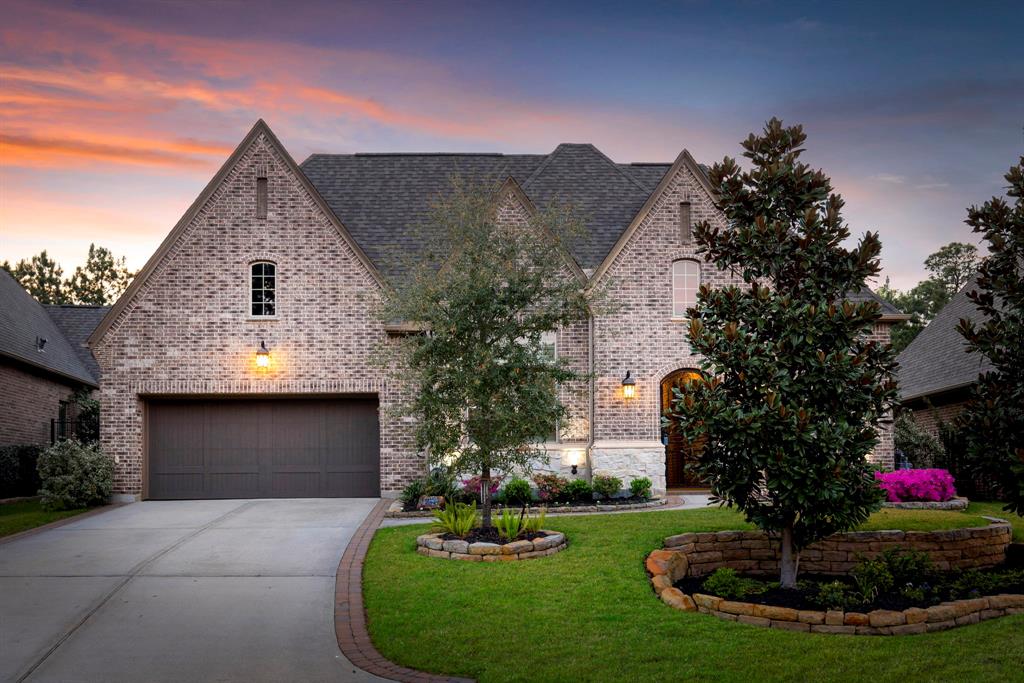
937,359
867,295
384,199
77,323
22,320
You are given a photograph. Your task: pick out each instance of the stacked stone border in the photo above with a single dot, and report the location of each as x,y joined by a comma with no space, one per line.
756,552
432,545
395,509
958,503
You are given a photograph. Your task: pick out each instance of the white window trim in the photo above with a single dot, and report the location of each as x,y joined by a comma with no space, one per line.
672,276
249,290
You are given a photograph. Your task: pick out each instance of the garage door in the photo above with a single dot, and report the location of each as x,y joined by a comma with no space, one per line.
280,448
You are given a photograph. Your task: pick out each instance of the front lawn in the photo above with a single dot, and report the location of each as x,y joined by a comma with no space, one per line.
588,613
996,510
15,517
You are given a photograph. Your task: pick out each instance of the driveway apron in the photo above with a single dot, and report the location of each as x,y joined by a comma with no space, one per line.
218,590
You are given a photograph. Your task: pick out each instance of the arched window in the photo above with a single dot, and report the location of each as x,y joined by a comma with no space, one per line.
685,283
263,291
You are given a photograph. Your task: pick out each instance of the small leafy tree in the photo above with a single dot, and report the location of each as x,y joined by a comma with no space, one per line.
796,385
484,386
992,425
41,277
918,446
101,280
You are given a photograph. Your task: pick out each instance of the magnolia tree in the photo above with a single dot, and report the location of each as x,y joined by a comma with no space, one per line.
796,385
485,388
992,425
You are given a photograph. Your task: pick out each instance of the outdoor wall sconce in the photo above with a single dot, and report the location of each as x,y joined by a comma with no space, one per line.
628,386
575,457
263,355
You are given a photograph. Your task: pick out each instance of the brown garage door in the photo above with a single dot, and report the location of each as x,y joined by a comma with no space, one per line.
279,448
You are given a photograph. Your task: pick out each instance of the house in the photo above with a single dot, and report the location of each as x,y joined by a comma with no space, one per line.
239,363
43,362
936,371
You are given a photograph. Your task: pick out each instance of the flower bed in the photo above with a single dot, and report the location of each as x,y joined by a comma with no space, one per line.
675,577
545,543
397,510
902,486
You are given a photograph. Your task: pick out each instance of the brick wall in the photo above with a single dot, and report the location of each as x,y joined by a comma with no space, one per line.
28,402
187,331
929,418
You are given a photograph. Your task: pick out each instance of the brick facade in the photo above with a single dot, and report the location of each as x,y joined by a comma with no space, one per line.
27,404
929,418
185,330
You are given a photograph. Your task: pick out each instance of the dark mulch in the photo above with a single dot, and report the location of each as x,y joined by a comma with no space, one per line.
491,535
803,596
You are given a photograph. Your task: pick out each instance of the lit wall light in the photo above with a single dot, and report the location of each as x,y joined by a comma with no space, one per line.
263,355
575,460
628,386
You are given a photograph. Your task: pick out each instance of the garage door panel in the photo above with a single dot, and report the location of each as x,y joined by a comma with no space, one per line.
263,448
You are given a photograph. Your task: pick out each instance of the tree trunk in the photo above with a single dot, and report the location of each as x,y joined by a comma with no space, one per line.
485,497
790,562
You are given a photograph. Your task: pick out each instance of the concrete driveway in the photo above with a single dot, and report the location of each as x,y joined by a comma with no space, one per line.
223,590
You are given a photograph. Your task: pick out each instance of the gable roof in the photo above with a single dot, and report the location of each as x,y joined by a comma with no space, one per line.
259,128
77,323
385,199
937,360
22,320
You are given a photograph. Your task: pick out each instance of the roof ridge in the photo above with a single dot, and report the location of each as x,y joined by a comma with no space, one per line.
544,164
619,170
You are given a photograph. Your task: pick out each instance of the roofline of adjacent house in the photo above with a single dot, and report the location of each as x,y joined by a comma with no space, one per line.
50,371
942,390
894,317
259,127
684,160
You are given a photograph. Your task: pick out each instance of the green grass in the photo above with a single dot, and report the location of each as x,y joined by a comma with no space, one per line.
588,614
15,517
996,510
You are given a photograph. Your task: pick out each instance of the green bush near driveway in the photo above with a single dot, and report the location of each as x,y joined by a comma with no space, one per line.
75,475
588,614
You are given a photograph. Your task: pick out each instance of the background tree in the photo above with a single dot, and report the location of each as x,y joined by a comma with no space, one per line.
101,280
992,425
950,267
797,387
41,277
484,388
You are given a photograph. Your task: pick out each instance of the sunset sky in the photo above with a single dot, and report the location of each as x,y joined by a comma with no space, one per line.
113,116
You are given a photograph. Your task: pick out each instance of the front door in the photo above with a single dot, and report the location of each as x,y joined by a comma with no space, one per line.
681,457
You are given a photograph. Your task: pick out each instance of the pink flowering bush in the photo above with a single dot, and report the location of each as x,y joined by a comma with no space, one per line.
916,485
471,486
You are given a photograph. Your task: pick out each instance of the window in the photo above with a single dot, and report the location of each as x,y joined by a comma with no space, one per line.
685,283
263,299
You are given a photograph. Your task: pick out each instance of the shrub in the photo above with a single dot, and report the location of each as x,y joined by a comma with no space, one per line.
18,475
606,486
535,523
834,595
550,487
471,487
579,490
74,475
517,492
909,485
458,519
510,524
894,567
412,492
641,488
441,482
919,447
724,583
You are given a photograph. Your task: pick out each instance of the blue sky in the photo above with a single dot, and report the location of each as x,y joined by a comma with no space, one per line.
114,115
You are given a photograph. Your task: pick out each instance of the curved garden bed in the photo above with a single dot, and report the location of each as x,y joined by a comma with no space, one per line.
697,554
545,543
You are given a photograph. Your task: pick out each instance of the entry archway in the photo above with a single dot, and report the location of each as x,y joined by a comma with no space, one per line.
681,456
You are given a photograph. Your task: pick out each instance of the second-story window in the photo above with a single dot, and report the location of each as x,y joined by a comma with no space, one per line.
263,294
685,284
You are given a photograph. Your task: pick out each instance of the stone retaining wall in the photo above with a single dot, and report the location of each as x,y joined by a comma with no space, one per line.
959,503
395,510
696,554
432,545
757,552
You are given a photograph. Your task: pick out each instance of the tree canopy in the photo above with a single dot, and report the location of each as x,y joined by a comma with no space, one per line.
796,384
99,282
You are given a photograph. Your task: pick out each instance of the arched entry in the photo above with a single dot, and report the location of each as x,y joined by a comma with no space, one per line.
681,456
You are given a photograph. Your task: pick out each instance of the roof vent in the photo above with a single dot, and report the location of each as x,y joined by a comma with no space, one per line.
40,344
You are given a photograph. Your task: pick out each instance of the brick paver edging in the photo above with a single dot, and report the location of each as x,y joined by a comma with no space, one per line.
350,616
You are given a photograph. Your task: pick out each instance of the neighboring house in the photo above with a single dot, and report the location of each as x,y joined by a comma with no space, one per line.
240,361
43,361
936,371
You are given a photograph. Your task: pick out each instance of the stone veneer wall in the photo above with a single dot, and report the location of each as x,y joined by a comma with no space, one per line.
756,552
